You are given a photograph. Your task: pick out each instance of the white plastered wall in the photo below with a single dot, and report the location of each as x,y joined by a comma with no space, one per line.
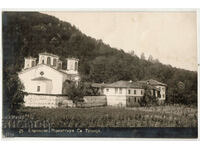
52,74
162,92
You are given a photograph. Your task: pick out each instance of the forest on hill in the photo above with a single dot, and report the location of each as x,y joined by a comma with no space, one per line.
30,33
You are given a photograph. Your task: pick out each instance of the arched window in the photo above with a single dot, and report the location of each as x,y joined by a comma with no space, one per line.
59,66
43,61
48,61
76,66
33,64
54,62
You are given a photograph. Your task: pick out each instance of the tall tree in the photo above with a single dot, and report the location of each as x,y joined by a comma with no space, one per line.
150,59
142,56
132,53
13,94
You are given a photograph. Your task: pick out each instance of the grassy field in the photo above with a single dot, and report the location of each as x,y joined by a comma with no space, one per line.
160,116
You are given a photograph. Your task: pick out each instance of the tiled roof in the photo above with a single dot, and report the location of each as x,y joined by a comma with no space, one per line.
150,87
152,82
49,54
98,85
25,70
126,84
41,79
73,58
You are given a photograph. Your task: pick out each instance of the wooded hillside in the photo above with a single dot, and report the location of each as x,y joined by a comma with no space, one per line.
29,33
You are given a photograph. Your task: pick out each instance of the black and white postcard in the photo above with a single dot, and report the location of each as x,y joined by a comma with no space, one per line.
120,74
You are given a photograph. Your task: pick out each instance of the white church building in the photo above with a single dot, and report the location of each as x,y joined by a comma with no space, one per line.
43,81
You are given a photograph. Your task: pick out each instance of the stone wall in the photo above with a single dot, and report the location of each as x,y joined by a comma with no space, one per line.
116,100
43,100
93,101
54,101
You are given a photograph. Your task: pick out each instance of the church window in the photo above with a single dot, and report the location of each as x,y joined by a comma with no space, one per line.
48,61
76,66
59,66
54,62
38,88
33,63
41,73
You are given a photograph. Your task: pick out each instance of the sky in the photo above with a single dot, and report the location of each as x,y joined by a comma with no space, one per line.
169,36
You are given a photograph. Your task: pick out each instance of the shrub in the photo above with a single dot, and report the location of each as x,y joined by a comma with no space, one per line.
148,99
13,94
76,91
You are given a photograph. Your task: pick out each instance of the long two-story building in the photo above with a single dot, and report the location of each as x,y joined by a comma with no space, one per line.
128,93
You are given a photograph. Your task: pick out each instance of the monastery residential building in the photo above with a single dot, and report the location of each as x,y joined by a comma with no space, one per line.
44,81
128,93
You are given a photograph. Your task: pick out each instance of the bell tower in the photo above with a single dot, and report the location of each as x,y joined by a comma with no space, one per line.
29,62
49,59
72,65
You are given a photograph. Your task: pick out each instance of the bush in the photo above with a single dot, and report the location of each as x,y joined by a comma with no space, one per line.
177,95
76,91
148,99
13,95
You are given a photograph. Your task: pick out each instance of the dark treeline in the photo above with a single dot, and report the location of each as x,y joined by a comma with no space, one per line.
29,33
